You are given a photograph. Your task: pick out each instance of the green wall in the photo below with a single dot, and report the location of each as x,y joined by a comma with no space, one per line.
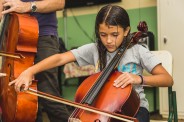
77,37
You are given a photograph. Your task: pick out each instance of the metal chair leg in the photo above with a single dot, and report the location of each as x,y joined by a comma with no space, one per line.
175,107
170,104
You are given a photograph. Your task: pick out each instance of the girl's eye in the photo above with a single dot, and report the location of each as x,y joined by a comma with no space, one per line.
115,34
102,34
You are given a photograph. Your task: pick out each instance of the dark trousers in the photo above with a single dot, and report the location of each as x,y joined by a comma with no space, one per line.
143,115
48,82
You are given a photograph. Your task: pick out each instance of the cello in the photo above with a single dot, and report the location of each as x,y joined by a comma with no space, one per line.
18,45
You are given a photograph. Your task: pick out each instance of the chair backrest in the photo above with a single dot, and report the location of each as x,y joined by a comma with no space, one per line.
166,59
167,63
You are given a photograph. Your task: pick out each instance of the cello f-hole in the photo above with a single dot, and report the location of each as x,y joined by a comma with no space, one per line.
10,68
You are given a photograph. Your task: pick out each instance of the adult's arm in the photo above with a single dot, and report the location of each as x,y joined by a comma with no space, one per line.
43,6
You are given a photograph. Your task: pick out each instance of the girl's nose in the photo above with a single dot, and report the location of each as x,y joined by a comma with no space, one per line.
109,39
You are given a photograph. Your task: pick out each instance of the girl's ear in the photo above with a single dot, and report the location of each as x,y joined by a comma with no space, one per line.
127,31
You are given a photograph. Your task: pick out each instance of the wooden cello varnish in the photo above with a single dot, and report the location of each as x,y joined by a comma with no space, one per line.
18,45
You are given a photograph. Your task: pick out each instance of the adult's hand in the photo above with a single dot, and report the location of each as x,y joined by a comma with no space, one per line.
15,6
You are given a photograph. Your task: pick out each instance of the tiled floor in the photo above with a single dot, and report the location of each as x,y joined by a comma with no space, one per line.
158,118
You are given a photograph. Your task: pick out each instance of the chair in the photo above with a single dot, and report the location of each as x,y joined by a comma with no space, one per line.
166,59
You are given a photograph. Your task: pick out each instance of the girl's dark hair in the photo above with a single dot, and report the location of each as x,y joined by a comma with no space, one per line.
110,15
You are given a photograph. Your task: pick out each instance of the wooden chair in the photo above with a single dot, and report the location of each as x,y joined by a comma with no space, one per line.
166,59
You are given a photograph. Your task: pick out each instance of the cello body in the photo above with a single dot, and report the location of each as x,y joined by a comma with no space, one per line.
18,37
117,100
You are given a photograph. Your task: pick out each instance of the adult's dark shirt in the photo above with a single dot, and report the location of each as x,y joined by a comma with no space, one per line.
47,22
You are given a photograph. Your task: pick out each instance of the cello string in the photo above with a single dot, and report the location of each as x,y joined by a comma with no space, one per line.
76,112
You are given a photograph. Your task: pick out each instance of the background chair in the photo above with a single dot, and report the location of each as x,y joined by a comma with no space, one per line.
166,59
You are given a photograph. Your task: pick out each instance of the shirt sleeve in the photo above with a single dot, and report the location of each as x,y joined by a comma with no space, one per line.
148,59
85,54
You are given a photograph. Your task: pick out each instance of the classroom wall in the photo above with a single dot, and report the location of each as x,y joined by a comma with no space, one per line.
77,26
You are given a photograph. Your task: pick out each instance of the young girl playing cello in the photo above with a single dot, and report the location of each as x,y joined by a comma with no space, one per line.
111,27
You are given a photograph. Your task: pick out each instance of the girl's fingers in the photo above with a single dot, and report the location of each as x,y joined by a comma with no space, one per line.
12,82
